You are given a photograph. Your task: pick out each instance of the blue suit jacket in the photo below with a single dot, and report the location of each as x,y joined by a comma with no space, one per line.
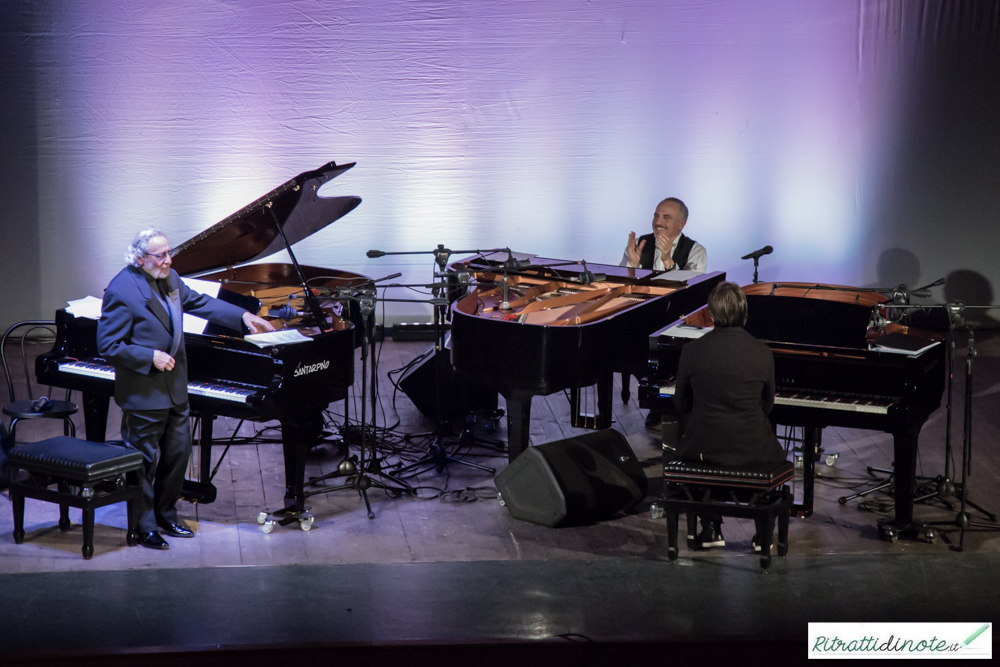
134,324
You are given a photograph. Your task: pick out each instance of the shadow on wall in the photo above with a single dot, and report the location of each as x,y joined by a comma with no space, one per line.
937,193
974,291
20,261
900,268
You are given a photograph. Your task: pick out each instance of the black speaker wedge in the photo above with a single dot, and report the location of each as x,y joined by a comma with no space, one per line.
573,481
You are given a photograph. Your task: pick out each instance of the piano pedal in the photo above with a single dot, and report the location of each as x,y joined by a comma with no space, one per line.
286,515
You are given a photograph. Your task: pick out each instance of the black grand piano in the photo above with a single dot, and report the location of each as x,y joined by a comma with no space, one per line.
833,367
231,377
567,326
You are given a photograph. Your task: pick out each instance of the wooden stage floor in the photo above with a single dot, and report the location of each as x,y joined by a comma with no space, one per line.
453,522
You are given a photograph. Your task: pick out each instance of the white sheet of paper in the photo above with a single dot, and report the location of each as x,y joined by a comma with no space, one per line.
193,324
684,331
283,337
88,306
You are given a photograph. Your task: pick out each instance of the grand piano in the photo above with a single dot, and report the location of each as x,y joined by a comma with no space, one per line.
231,377
837,363
564,326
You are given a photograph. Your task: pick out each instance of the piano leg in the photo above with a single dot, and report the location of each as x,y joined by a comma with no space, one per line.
205,447
296,440
605,390
811,436
95,416
904,468
518,420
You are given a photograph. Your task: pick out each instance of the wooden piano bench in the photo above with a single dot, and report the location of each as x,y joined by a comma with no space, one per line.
85,474
758,493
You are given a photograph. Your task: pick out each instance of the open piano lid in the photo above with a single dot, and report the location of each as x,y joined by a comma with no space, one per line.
250,233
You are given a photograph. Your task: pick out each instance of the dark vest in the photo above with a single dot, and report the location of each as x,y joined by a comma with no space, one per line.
680,255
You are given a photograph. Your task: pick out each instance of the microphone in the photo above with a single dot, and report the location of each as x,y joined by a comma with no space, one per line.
286,312
41,404
376,253
756,254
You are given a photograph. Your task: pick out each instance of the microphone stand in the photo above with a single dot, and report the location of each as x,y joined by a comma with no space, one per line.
437,452
945,486
360,476
963,520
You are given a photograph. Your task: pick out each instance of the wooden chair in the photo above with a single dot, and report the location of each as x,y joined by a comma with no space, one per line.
85,474
758,493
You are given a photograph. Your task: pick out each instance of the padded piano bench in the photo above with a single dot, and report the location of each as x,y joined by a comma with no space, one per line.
758,493
86,474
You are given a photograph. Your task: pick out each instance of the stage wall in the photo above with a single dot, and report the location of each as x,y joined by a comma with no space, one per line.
858,138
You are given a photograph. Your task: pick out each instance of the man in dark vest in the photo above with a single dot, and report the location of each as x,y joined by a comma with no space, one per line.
666,248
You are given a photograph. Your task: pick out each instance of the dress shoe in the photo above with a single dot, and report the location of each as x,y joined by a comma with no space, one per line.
152,540
175,529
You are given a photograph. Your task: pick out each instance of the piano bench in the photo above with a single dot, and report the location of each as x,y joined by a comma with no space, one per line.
758,493
85,474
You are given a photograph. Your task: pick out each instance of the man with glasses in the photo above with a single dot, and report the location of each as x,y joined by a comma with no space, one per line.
141,334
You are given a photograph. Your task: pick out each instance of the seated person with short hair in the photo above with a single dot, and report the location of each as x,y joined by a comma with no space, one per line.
724,392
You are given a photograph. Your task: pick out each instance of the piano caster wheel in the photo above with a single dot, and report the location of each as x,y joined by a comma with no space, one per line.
306,524
268,526
930,536
656,511
132,538
890,534
262,518
503,503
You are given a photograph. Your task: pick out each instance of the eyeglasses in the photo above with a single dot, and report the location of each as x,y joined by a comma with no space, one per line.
159,257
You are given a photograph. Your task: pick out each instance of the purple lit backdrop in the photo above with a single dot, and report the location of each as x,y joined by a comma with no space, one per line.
844,133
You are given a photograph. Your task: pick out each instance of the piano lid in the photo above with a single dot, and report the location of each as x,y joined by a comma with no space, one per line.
250,233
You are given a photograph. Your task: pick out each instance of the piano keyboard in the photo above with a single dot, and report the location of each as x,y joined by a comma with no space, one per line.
223,391
843,403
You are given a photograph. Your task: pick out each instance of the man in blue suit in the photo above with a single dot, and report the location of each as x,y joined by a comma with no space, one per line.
140,333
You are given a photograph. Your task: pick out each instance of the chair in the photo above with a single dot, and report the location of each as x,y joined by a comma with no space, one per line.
758,493
44,407
86,474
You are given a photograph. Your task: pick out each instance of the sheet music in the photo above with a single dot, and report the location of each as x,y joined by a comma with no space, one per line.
88,306
269,338
192,323
684,330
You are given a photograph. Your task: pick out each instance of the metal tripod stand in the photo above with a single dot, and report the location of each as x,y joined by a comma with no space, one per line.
367,472
963,520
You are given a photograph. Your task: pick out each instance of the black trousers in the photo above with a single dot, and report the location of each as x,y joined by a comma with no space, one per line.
163,437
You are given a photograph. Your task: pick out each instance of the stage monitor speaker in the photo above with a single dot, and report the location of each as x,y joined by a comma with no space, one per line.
573,481
459,396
